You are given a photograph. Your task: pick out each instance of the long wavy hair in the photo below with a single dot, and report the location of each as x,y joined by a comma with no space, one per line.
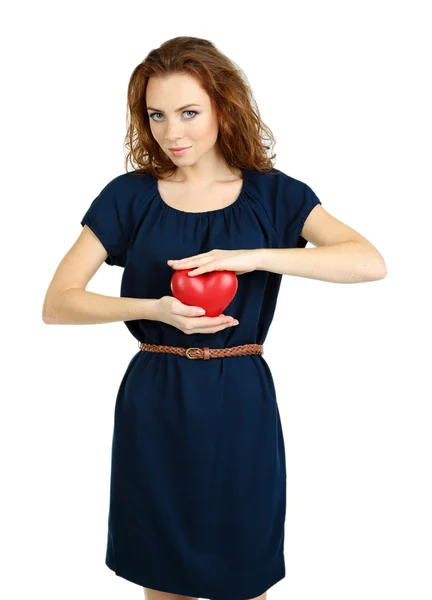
242,134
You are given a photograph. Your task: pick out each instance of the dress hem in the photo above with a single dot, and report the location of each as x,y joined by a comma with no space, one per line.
258,583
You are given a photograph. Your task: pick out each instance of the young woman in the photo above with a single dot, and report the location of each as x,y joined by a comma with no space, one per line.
197,502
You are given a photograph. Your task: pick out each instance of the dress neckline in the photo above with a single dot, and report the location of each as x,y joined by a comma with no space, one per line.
224,209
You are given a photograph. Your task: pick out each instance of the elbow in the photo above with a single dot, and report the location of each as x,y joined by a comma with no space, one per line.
47,318
381,267
377,269
383,272
48,313
371,264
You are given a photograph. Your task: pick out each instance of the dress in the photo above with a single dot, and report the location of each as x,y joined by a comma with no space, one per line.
198,479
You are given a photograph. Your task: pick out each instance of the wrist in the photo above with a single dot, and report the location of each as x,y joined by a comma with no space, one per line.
260,261
151,309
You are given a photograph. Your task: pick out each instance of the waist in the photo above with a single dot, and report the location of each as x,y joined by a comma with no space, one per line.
205,352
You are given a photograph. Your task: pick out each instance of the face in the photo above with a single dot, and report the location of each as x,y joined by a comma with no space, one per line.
181,115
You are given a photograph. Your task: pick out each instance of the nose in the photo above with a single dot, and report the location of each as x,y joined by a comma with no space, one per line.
174,130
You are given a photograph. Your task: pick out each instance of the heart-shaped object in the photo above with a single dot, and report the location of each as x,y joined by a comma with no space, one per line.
212,291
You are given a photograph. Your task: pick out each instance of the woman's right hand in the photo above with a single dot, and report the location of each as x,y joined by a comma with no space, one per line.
184,317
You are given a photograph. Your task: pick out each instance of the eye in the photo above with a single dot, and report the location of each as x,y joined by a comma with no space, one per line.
151,115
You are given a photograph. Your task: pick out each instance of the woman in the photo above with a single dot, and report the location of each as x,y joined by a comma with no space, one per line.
197,501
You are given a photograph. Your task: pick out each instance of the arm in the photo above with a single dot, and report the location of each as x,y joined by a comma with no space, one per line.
67,302
77,306
345,262
342,255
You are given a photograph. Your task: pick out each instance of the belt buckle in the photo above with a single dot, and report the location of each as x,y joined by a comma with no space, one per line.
188,355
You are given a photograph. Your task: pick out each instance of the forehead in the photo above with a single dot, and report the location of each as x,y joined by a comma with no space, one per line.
171,91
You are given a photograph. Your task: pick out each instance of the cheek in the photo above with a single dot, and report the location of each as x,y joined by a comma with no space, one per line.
202,130
156,132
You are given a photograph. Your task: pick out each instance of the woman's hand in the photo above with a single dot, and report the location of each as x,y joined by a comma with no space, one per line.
239,261
173,312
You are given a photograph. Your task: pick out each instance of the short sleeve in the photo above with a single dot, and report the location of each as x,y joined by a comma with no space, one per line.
295,200
111,218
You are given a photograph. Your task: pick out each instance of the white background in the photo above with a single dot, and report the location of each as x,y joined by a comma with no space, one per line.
344,87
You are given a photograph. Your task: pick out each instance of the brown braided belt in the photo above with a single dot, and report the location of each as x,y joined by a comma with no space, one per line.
206,353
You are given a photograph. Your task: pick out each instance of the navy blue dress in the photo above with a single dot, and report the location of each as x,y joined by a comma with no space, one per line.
198,478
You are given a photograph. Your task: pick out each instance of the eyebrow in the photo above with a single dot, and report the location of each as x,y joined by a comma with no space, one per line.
178,109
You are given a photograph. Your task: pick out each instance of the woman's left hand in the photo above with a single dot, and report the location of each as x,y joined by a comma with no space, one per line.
239,261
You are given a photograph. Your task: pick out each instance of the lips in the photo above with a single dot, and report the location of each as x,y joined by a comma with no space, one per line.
178,151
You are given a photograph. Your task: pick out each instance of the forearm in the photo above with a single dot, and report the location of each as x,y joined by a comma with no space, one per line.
76,306
346,262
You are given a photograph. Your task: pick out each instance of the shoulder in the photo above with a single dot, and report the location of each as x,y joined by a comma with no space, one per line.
121,199
280,179
130,181
125,193
276,183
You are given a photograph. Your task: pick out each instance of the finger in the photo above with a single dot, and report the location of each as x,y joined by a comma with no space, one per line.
212,329
194,311
183,260
204,269
208,322
214,320
207,267
185,310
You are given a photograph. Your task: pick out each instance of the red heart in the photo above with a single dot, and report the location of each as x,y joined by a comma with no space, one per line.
212,291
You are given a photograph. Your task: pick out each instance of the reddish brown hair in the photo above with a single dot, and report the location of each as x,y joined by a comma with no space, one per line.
241,131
